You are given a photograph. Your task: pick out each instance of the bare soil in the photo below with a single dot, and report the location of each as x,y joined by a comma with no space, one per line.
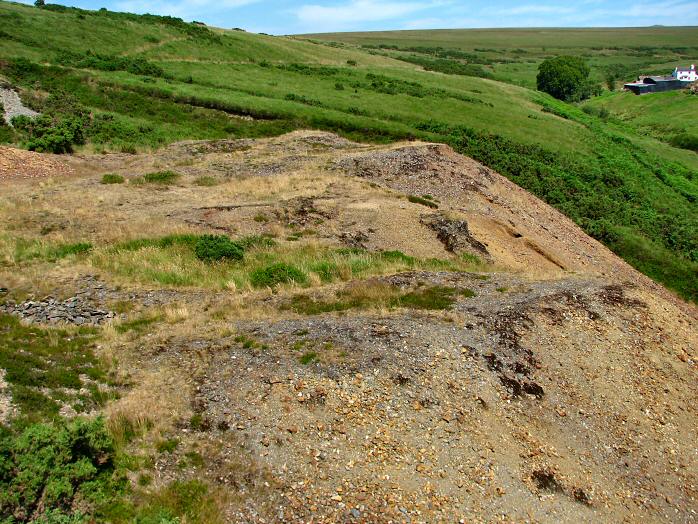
564,391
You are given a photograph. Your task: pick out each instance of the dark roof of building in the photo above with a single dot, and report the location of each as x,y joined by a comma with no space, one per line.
658,79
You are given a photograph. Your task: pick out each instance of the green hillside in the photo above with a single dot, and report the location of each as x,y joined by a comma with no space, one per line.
513,55
662,115
115,81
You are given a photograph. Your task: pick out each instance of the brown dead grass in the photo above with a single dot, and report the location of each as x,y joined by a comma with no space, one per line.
158,399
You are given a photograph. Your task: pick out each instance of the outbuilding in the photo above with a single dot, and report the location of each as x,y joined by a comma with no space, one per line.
679,79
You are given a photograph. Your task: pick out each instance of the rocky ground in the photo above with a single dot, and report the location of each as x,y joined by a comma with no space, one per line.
13,105
561,388
16,163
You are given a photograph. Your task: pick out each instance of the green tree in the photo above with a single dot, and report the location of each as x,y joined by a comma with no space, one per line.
39,3
565,78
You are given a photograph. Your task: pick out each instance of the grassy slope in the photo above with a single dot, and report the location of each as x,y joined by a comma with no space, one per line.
659,115
622,187
516,53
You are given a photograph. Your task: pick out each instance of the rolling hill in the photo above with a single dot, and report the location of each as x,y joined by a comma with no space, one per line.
269,279
149,81
513,55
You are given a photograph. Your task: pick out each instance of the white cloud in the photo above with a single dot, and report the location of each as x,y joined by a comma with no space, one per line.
326,18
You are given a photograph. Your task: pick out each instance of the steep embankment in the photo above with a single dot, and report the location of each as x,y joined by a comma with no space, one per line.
452,347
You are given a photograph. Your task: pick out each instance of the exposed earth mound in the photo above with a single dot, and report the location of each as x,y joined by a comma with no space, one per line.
463,352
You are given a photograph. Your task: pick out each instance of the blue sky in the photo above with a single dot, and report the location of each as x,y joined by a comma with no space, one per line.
286,16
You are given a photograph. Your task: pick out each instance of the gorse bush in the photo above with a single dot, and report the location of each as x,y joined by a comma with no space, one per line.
47,468
217,247
63,124
48,134
275,274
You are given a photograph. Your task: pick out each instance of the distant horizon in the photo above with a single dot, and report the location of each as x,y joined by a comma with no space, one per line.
512,28
286,17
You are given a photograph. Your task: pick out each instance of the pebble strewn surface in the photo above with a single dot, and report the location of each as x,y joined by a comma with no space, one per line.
13,105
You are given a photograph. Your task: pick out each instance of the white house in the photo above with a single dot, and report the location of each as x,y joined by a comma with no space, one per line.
686,75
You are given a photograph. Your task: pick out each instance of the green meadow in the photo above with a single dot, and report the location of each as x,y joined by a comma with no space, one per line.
134,83
513,55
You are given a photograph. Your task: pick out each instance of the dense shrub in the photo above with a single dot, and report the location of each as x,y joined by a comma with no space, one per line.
566,78
276,274
63,124
217,247
49,134
49,467
22,68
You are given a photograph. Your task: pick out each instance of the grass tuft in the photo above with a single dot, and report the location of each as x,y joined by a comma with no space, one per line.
423,201
206,181
308,358
112,178
164,178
